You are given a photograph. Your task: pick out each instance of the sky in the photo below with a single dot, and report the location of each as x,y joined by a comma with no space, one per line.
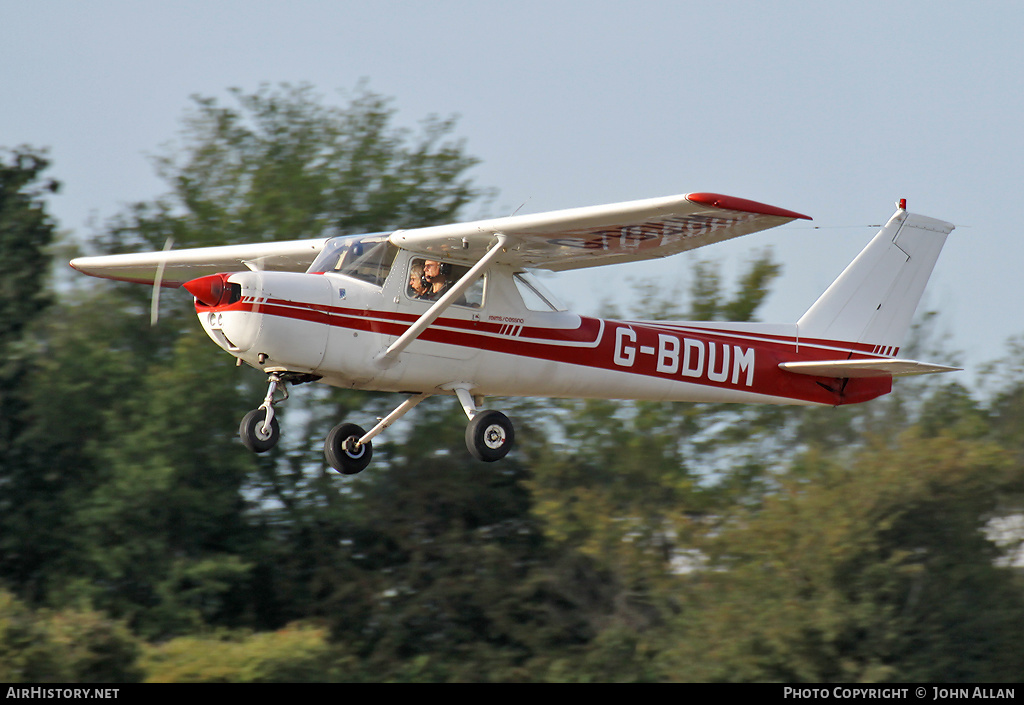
836,110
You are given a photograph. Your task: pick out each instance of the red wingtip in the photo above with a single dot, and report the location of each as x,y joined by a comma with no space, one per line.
717,200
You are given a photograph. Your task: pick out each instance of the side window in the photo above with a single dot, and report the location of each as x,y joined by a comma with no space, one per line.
535,295
429,280
474,295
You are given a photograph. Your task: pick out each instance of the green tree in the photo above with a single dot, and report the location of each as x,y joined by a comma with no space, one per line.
65,646
295,654
878,569
26,232
454,579
29,516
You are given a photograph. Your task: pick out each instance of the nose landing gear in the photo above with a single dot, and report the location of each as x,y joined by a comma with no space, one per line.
256,433
259,429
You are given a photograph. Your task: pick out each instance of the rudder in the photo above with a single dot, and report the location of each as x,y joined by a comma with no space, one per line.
874,299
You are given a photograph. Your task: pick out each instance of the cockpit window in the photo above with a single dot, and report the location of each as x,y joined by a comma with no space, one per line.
429,280
365,257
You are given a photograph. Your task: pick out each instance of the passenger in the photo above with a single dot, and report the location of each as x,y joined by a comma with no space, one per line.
418,282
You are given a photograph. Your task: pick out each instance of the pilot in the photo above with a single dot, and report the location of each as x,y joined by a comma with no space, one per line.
436,275
418,282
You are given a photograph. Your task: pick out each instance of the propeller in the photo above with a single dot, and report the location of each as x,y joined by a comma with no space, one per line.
154,308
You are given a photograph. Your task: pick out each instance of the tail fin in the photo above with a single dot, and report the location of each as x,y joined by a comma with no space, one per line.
875,297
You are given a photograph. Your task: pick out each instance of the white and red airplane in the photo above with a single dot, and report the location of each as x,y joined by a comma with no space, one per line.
453,309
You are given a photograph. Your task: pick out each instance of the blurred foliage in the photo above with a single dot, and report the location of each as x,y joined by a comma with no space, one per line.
295,654
877,570
27,512
619,541
64,646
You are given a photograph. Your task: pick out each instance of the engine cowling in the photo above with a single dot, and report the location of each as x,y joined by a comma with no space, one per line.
272,320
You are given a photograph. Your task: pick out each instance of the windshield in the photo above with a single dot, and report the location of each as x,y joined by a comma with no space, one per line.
365,257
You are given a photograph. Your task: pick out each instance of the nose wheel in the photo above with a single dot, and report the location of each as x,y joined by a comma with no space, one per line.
256,434
259,429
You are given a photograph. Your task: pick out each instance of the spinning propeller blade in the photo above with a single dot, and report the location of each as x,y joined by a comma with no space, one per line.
154,309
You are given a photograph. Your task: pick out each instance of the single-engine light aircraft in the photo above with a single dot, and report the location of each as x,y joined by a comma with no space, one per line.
454,309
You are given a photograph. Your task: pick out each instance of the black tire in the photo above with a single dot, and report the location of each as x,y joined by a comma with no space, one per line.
338,449
251,431
489,436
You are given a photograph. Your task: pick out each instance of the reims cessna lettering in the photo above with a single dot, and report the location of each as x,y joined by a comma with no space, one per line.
453,309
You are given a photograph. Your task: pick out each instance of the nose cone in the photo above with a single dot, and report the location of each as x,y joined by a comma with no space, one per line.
214,290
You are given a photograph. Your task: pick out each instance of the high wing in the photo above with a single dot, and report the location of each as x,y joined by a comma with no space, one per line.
180,266
599,235
556,240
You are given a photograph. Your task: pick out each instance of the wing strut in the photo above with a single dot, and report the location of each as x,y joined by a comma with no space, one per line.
398,413
439,307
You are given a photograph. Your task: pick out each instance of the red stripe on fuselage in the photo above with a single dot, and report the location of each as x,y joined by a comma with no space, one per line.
740,360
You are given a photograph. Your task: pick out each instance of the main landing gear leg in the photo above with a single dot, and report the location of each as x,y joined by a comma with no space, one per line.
489,435
259,429
348,448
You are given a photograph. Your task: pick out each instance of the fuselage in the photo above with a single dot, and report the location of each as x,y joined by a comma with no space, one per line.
336,326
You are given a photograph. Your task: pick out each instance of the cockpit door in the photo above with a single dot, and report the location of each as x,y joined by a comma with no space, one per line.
422,282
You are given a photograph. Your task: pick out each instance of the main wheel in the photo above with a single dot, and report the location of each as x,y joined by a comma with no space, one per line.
489,436
341,451
252,435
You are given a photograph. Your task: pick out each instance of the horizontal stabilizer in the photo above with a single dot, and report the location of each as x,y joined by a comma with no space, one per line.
865,368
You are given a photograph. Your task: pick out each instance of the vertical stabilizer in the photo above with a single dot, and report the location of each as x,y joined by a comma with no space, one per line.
875,297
